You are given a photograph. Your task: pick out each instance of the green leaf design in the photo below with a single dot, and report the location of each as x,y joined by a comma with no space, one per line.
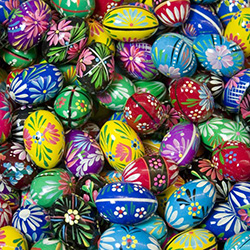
137,118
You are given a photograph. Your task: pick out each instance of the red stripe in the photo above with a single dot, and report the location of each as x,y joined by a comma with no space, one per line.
73,11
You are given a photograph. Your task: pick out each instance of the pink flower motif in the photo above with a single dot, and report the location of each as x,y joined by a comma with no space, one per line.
12,4
86,197
155,163
76,49
105,97
87,183
159,180
95,193
244,216
235,79
51,134
19,150
245,106
236,39
2,236
59,33
169,71
85,58
172,116
206,166
67,183
111,67
27,137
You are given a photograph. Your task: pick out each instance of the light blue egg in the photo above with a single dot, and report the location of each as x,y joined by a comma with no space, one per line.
239,241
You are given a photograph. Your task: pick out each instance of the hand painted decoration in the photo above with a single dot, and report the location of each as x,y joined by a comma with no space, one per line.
7,8
245,108
49,244
5,213
240,241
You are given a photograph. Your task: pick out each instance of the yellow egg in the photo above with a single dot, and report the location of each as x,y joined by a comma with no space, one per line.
238,30
44,138
120,144
151,146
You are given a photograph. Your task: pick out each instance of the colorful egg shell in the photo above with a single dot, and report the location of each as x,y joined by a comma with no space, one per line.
136,61
11,76
237,30
44,138
95,67
120,144
129,23
6,9
244,109
49,244
12,238
191,99
181,143
119,236
151,146
117,93
172,13
28,24
164,54
118,116
72,222
190,204
73,106
69,74
26,198
240,241
197,238
215,53
153,172
31,218
201,20
36,84
111,176
5,117
125,203
5,213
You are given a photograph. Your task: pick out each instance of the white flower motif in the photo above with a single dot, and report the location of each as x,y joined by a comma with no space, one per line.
5,214
140,212
120,212
139,189
19,150
117,187
127,113
169,71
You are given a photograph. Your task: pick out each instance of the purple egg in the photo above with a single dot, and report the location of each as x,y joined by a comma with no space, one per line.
83,154
181,143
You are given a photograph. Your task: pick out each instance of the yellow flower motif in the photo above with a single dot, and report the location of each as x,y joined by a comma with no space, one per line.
81,105
129,241
180,192
194,209
72,217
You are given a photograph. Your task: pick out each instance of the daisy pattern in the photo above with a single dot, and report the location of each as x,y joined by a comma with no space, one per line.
171,71
139,189
207,128
19,150
5,213
207,100
127,113
140,212
120,212
117,187
234,80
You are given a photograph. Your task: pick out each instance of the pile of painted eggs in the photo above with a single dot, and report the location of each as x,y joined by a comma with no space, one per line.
124,124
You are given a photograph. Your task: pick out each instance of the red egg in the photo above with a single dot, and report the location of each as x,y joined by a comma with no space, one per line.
5,214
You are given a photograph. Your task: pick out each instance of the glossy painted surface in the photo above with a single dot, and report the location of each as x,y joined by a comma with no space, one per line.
5,117
240,241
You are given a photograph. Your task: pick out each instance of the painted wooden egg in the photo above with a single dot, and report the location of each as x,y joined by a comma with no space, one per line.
79,8
191,99
36,84
201,20
7,9
237,30
28,24
153,172
50,184
125,203
73,106
11,76
197,238
49,244
234,90
111,176
83,154
245,108
118,116
31,221
16,167
26,198
64,40
151,146
172,13
117,93
231,159
173,56
95,67
12,238
135,60
181,143
69,74
190,204
223,222
5,213
129,23
144,113
240,241
126,237
215,53
120,144
44,138
5,117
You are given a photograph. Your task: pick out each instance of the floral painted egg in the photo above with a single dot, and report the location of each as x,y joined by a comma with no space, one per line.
164,54
28,24
7,8
245,108
5,117
130,23
36,84
31,221
83,154
50,184
64,40
151,146
120,144
49,244
172,13
79,8
73,106
181,143
5,213
125,237
191,99
117,93
135,60
44,138
231,159
215,53
153,172
111,176
26,198
190,204
223,222
16,167
240,241
197,238
72,222
95,68
201,20
12,238
234,90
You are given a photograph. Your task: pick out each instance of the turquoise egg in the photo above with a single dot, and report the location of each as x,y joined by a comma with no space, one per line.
239,241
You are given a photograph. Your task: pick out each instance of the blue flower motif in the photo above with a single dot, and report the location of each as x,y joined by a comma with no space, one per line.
19,176
38,137
207,100
230,157
82,142
7,165
135,144
29,170
13,181
19,166
110,156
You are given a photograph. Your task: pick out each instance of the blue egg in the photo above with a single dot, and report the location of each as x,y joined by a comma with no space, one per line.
125,203
173,56
203,1
239,241
36,84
